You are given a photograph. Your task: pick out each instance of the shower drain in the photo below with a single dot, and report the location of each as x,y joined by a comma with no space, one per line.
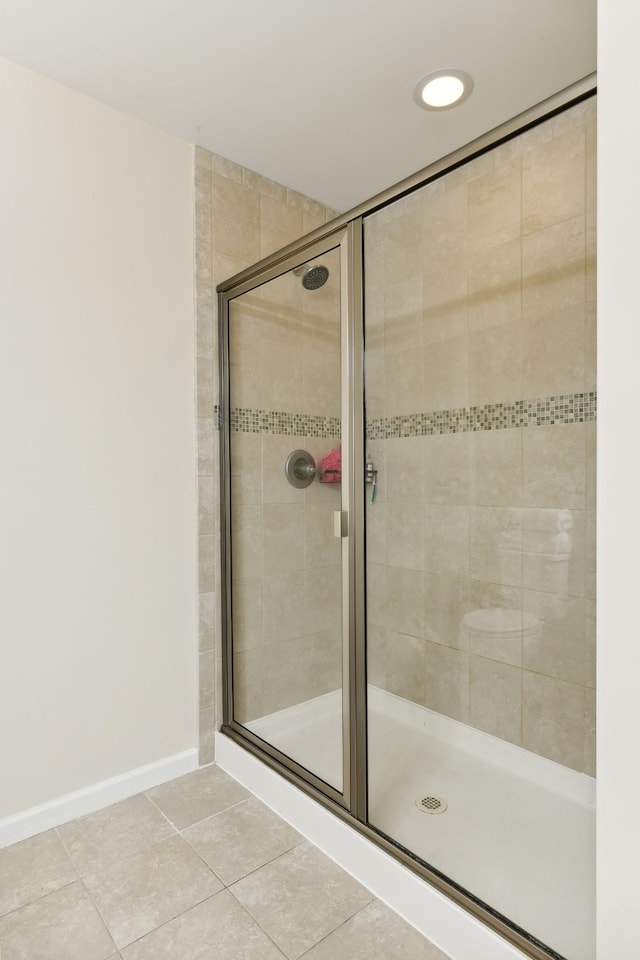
431,804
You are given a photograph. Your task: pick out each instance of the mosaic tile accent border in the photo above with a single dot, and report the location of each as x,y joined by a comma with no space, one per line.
540,412
247,420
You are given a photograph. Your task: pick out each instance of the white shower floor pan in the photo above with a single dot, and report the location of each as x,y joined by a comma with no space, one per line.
518,831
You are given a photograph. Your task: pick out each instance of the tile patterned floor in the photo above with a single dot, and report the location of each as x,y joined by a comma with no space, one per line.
197,869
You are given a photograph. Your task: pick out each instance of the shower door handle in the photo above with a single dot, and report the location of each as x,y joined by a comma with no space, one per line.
340,525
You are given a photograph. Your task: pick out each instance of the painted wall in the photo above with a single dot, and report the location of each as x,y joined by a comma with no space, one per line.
618,836
97,495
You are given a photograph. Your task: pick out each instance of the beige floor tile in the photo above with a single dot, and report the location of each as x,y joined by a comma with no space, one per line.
33,868
238,841
300,898
218,929
145,891
376,933
122,830
197,796
64,925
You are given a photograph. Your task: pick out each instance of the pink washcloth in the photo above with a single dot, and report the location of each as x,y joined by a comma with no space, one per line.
330,467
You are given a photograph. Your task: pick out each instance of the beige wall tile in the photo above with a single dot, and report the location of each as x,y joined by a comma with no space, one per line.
376,594
590,363
553,180
207,723
590,644
206,386
447,681
405,535
502,605
446,538
445,303
444,236
322,599
404,474
283,536
559,650
321,395
282,384
227,168
553,268
247,601
279,224
495,544
375,525
554,466
283,677
590,555
495,286
554,353
248,685
404,382
283,606
321,547
405,666
202,184
246,472
275,486
495,364
206,564
202,158
446,603
495,698
554,551
206,505
447,468
322,663
237,210
404,601
204,266
246,541
206,346
204,441
495,207
403,244
553,719
376,654
446,373
496,467
403,319
206,675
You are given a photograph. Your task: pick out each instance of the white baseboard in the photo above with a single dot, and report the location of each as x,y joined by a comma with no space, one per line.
439,919
35,820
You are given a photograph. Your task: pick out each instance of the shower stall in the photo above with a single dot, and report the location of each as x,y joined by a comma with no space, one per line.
408,448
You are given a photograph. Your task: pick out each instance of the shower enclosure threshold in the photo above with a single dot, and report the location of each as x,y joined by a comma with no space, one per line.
518,829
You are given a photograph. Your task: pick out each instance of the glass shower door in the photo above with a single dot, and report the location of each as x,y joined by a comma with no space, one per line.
287,516
480,409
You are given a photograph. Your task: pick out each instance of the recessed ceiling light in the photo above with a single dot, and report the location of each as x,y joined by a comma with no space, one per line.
443,89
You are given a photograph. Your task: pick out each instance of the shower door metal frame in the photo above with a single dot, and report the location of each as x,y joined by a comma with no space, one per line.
348,239
355,812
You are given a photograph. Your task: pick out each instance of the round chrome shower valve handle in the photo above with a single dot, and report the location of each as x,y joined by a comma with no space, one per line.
300,468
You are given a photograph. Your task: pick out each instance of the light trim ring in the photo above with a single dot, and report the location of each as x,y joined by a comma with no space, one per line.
442,95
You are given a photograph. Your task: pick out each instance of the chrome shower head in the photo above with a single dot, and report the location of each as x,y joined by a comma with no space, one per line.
312,277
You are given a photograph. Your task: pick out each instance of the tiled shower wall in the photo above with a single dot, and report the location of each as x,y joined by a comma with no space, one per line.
480,379
240,217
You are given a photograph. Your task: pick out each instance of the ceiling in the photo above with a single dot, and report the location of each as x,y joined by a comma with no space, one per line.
317,96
